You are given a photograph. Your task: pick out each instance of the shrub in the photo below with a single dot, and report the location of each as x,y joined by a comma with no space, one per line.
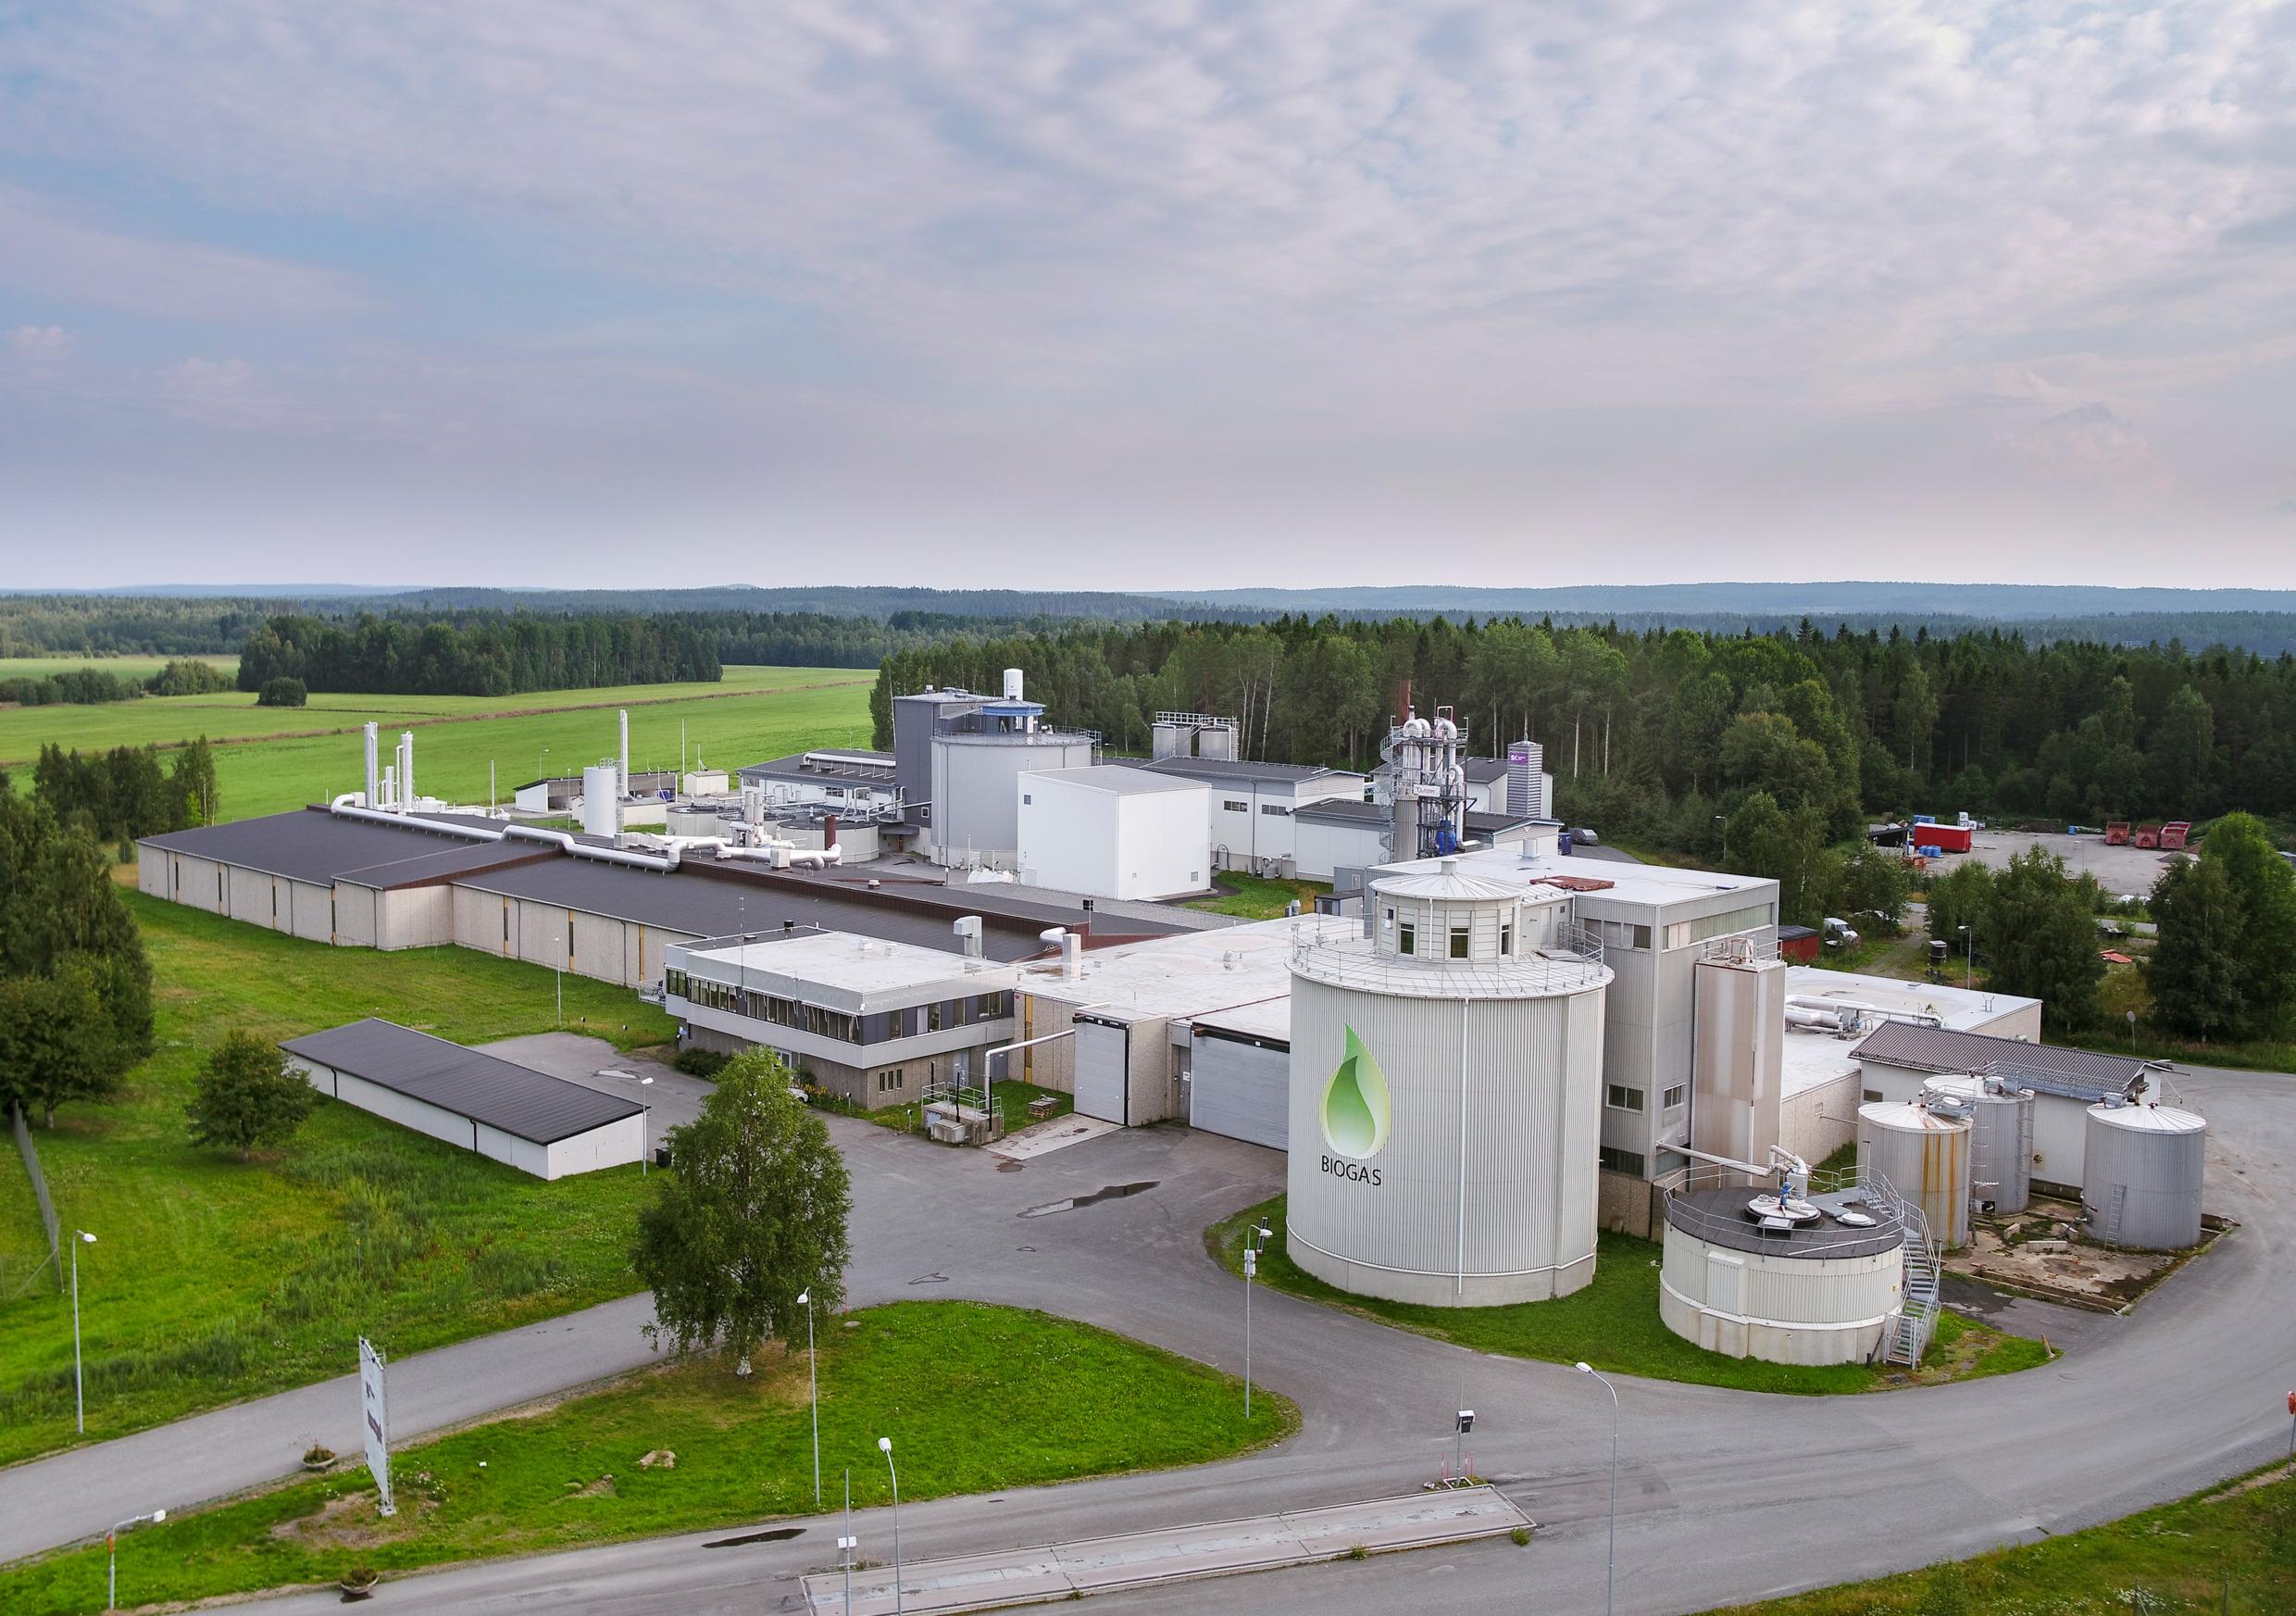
281,692
699,1062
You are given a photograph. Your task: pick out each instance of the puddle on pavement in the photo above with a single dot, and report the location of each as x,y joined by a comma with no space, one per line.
931,1279
1115,1192
778,1534
1008,1167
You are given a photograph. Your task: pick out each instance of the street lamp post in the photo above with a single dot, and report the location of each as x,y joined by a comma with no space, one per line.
80,1395
646,1155
884,1446
1252,1241
1610,1592
1968,957
1726,839
813,1391
111,1551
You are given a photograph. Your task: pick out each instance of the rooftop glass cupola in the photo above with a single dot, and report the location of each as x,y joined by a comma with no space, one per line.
1446,918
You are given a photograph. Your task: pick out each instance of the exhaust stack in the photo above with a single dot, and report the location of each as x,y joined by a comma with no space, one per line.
374,767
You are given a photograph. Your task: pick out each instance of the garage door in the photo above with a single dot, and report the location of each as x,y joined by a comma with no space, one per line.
1101,1050
1241,1088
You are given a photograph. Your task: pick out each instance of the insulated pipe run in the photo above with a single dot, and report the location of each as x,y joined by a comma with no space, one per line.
343,807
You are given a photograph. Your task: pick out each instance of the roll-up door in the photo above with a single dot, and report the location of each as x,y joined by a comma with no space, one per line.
1103,1060
1242,1088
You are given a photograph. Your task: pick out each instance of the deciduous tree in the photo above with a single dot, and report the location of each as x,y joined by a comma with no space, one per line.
246,1096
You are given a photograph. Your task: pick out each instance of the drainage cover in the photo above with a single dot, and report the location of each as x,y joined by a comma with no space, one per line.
1115,1192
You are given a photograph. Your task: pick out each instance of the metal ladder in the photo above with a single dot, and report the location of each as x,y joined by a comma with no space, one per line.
1910,1339
2112,1232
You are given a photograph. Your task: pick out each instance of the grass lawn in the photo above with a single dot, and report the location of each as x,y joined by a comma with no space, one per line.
976,1398
215,1281
1014,1097
136,667
1257,899
280,758
1613,1323
2230,1552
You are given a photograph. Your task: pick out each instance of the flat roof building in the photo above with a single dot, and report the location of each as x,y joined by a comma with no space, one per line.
506,1112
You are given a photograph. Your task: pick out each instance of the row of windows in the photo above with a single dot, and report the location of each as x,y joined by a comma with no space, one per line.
1407,937
1683,934
874,1028
1619,1096
1627,1161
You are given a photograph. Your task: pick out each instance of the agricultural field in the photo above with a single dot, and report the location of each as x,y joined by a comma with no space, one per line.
280,758
947,1380
214,1280
223,662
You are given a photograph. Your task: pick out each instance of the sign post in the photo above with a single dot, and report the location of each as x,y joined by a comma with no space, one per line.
376,1421
2291,1425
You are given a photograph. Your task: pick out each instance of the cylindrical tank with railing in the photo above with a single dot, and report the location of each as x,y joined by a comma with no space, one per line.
2000,1136
1926,1155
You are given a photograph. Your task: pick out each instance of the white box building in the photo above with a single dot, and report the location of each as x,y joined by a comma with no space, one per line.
1113,831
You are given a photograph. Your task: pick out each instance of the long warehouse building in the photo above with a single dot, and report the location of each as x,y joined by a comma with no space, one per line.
442,878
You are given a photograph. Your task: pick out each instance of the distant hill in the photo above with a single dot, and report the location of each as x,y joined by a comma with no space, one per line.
2005,602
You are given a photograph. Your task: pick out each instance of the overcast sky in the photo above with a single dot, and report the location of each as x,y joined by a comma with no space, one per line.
1142,294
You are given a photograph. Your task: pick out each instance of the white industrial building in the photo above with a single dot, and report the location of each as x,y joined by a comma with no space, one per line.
1113,831
958,762
509,1113
1250,806
877,1022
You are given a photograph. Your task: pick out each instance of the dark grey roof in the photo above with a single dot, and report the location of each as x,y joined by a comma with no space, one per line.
2074,1074
1218,768
515,1099
1480,770
314,844
873,768
1340,810
428,868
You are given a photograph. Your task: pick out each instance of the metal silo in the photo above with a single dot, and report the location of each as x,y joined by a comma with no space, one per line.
1926,1156
602,801
2001,1138
1446,1097
2143,1166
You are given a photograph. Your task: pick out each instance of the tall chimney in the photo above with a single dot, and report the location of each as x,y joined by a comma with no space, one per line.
406,770
374,766
625,781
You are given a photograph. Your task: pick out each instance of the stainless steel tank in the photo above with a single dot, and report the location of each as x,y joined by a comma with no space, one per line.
2142,1168
2001,1138
1926,1157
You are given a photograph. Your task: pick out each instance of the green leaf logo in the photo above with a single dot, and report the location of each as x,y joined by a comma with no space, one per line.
1355,1109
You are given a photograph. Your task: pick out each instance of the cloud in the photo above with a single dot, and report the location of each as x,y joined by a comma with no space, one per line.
1634,274
39,342
45,248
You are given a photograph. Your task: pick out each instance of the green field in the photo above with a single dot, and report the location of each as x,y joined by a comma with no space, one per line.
214,1281
282,758
226,663
1614,1324
2230,1552
976,1398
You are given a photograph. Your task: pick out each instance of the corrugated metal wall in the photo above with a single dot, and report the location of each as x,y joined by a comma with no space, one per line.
1533,1100
1240,1090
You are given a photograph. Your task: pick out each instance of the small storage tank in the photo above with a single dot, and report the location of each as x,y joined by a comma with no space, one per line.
1924,1154
2001,1138
1815,1281
602,800
2142,1168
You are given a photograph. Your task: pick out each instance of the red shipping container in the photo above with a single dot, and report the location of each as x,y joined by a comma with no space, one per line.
1945,838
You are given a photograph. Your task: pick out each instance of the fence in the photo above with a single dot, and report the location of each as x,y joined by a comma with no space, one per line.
38,1192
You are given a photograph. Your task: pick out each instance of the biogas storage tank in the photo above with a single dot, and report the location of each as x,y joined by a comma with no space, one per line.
1446,1095
1924,1156
2142,1168
2000,1136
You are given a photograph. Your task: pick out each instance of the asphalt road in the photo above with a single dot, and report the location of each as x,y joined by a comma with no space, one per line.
1724,1496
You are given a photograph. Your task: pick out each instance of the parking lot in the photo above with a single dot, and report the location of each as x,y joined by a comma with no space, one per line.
2118,870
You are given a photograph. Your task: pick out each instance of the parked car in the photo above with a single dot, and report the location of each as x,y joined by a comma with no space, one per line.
1586,838
1838,934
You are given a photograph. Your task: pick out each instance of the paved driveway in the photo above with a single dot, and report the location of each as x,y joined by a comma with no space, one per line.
1724,1496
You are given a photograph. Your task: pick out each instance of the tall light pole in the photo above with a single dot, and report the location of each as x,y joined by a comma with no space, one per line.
884,1446
1968,957
645,1152
848,1542
1610,1593
813,1390
1254,1240
111,1551
1726,838
80,1395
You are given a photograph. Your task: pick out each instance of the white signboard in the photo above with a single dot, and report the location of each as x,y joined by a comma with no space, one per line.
377,1424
